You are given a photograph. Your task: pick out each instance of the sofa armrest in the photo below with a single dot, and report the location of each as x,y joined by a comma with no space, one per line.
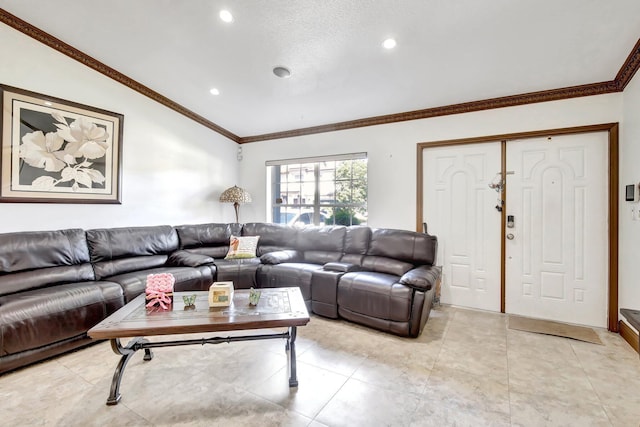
422,278
279,257
188,259
341,267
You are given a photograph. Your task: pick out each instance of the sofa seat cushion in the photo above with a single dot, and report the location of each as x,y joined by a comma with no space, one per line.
374,294
242,272
187,279
36,318
288,275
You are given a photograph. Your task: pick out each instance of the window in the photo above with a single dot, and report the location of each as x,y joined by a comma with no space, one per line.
320,190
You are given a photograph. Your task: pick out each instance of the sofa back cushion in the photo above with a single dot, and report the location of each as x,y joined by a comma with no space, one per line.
208,239
30,260
403,245
321,245
273,237
41,249
357,239
356,244
121,250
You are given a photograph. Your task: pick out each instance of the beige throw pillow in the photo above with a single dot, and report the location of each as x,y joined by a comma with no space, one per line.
242,247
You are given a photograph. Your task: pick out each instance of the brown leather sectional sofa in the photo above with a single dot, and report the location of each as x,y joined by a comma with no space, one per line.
56,285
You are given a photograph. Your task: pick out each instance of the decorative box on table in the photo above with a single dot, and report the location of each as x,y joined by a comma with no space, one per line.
159,290
220,294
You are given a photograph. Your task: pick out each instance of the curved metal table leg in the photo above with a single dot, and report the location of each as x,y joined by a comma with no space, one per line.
127,352
291,346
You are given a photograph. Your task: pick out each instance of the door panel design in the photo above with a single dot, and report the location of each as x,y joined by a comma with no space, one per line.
556,266
575,159
552,206
460,277
527,232
579,231
552,285
528,162
459,208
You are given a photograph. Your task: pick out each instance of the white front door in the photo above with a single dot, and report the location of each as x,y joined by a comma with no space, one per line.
459,208
557,259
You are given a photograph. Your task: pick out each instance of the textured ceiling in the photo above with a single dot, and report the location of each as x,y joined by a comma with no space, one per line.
449,52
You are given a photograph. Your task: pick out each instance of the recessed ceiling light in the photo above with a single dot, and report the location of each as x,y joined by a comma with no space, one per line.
226,16
214,91
389,43
47,103
282,72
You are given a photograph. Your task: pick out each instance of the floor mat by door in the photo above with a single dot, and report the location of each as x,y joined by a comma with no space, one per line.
558,329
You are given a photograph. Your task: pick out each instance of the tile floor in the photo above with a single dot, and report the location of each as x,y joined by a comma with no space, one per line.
466,369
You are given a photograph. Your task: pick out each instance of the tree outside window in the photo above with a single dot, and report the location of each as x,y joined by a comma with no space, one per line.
351,193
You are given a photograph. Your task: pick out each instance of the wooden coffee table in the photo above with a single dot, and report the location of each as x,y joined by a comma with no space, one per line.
278,307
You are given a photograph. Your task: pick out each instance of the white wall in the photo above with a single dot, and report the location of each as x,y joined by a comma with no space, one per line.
173,168
392,150
630,174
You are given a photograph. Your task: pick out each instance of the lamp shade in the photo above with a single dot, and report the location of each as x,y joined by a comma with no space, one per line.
235,195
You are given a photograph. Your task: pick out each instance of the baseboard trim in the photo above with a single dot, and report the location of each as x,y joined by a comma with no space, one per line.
629,335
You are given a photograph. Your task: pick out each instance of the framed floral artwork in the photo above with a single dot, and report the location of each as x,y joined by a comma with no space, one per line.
57,151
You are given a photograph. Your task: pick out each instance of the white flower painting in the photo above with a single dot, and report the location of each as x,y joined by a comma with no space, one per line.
69,151
60,151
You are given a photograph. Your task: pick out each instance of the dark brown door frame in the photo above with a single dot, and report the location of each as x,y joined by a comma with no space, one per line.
611,129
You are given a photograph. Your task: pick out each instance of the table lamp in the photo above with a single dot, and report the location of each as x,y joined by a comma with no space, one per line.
235,195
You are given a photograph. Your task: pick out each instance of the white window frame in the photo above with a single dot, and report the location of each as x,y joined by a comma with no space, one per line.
316,207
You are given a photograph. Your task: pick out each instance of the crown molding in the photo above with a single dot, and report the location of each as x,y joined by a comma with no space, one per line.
62,47
466,107
629,68
624,76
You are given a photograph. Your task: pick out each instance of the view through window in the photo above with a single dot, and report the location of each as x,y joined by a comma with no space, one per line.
320,190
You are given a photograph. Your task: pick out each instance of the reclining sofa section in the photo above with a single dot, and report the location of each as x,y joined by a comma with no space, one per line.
56,285
49,295
382,278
